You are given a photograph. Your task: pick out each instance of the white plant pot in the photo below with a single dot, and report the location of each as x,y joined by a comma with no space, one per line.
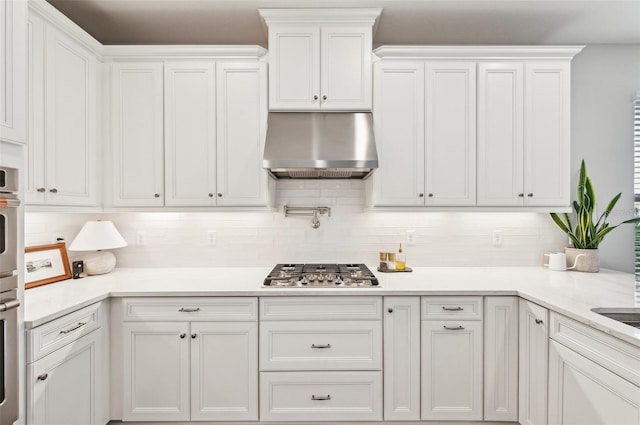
588,262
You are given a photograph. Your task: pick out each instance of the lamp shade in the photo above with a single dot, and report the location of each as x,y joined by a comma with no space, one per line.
97,235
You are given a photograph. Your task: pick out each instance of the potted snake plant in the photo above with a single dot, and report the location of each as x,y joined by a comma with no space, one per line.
586,234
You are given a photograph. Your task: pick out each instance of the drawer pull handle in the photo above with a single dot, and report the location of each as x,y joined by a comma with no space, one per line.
189,310
321,397
451,328
43,377
320,345
452,308
78,326
538,321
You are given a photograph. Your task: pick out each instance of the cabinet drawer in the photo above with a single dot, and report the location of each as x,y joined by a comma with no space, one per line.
51,336
191,309
321,396
457,308
321,345
616,355
321,308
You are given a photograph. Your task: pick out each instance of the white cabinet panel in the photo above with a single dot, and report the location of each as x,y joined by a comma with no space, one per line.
501,359
452,370
582,392
500,134
137,134
156,371
450,137
398,117
402,358
224,371
242,123
546,138
13,75
190,133
533,363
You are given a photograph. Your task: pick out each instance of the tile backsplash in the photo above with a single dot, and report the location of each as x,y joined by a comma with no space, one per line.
352,234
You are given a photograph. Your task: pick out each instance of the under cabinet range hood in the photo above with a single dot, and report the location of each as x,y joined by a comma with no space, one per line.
320,145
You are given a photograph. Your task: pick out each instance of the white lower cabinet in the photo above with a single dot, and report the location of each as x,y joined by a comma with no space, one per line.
66,381
452,361
198,368
402,358
533,363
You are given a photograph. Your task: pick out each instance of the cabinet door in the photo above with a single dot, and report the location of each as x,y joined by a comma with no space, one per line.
70,122
546,139
294,67
345,68
156,371
398,120
224,371
501,359
500,134
450,136
533,366
64,387
242,123
137,139
402,358
190,133
452,370
582,392
13,75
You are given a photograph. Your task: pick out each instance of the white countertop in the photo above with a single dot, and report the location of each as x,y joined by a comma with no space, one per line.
570,293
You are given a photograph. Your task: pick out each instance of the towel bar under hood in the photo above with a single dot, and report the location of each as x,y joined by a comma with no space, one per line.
320,145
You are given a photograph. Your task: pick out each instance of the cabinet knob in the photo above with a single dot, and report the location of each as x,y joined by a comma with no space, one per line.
211,195
421,195
390,310
538,321
324,97
41,190
43,377
520,195
219,195
183,335
430,195
315,97
156,195
194,335
530,195
54,190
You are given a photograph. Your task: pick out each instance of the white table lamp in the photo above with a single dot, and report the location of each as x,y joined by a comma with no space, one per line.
98,236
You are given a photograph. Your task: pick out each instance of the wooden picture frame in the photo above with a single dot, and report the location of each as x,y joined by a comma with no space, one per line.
44,264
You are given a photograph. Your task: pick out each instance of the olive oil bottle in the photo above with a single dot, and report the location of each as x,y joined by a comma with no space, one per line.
401,260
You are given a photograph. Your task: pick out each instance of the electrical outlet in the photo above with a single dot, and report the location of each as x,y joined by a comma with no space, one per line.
212,238
411,237
496,238
141,237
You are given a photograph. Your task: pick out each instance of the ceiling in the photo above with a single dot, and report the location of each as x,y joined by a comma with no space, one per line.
402,21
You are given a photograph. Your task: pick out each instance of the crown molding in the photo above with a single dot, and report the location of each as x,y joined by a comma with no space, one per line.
477,52
155,52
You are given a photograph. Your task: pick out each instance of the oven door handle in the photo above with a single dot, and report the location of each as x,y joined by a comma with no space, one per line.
9,305
9,203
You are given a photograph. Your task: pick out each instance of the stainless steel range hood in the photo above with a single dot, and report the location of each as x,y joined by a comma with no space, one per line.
320,145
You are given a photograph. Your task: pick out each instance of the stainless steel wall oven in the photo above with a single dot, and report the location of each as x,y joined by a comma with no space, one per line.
9,303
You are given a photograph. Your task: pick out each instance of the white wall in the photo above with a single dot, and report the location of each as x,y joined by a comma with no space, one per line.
605,80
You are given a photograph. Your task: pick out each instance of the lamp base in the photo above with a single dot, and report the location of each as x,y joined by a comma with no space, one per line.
99,262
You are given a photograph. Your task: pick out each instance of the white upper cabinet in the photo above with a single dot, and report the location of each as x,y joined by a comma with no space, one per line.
190,133
450,133
242,123
63,105
523,133
398,121
137,134
13,75
320,59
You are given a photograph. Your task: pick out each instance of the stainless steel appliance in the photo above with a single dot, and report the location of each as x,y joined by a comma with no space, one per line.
321,276
8,295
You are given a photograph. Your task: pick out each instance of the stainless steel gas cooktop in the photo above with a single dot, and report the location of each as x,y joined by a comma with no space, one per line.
321,276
